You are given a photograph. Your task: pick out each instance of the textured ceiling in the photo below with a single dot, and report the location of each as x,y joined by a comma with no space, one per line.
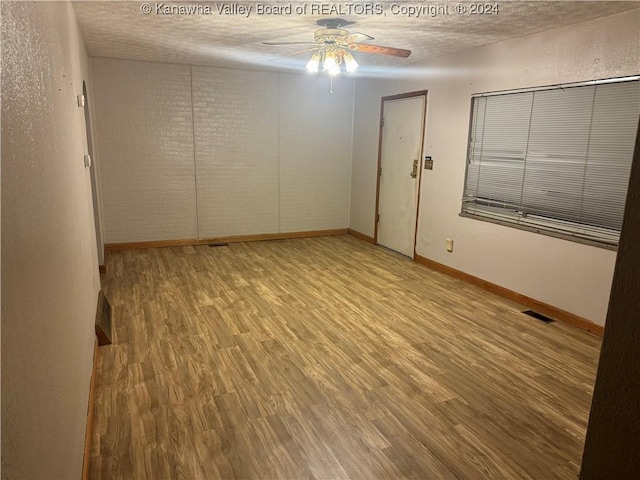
208,37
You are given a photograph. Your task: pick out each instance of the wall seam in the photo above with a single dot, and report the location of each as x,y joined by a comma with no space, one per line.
195,165
278,150
353,126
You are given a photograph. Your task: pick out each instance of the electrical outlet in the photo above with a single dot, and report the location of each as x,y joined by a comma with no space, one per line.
449,244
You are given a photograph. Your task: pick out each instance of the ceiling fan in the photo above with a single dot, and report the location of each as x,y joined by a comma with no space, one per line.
332,47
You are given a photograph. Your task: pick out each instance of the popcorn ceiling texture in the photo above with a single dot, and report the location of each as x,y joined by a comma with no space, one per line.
262,153
119,29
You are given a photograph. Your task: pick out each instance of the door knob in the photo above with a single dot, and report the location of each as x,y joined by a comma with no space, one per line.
414,172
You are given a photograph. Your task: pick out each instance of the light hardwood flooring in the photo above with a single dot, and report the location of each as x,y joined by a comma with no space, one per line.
329,358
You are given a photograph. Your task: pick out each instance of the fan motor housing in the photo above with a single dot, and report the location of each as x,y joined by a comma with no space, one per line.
329,35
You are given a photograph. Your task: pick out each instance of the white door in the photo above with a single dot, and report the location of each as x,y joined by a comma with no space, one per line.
400,154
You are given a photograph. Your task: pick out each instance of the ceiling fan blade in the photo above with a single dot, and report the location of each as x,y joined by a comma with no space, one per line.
301,51
356,37
289,43
366,48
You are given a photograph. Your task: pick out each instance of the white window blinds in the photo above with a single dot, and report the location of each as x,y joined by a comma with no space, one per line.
554,160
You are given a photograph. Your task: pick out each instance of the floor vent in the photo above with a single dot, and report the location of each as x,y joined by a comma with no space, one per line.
218,244
539,316
103,320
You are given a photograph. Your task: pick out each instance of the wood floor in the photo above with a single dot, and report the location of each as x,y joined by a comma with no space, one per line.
329,358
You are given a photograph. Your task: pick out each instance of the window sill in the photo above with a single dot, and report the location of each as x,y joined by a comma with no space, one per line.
541,231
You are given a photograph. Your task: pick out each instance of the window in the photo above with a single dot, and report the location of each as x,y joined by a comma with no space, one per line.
554,160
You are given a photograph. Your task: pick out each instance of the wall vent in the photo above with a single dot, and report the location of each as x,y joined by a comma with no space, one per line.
103,320
218,244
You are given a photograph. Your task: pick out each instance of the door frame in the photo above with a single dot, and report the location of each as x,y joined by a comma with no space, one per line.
400,96
95,200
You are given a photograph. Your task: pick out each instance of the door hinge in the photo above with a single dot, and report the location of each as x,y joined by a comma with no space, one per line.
382,122
380,171
378,218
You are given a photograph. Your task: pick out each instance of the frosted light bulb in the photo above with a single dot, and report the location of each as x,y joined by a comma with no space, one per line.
330,63
350,63
313,63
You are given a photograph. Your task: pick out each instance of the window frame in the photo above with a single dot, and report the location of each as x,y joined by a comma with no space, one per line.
507,222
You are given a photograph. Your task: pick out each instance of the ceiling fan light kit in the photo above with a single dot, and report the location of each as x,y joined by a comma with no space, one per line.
312,65
331,61
349,62
333,46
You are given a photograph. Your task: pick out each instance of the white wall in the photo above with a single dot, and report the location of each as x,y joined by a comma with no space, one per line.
144,135
568,275
236,132
50,275
315,152
199,152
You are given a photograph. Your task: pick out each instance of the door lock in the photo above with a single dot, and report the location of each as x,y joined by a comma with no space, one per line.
414,172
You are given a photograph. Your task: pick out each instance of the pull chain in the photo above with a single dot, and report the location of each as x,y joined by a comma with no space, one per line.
331,84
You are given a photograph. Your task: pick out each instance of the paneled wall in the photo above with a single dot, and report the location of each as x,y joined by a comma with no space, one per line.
236,130
315,153
198,152
145,146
